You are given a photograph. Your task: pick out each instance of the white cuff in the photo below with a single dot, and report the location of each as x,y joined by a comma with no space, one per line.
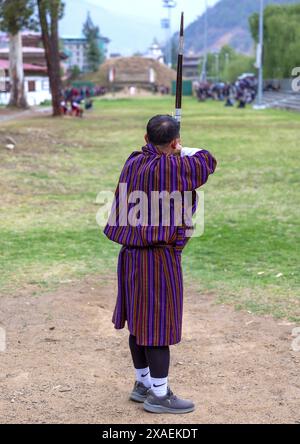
189,151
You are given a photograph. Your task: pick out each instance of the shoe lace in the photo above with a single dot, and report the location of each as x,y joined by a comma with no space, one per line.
172,396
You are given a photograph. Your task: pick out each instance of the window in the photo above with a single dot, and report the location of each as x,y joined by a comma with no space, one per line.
31,86
4,86
45,85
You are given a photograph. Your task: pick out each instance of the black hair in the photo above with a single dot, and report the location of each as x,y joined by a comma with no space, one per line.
162,129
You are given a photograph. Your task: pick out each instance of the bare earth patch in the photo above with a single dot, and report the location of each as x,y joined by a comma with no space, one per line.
65,363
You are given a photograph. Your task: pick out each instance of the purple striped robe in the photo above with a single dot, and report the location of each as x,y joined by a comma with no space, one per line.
150,286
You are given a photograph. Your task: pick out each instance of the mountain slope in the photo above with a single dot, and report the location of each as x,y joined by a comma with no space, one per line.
127,33
228,24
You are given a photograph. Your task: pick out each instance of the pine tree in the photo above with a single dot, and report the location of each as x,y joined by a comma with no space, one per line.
92,35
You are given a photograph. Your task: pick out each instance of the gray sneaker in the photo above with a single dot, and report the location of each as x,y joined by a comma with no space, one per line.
139,392
167,404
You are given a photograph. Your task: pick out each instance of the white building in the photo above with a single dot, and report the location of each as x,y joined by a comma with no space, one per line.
155,52
76,50
37,85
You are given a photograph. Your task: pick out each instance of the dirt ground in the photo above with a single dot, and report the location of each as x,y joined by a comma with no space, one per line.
12,114
65,363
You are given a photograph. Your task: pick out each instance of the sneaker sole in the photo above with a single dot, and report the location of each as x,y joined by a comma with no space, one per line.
136,397
152,408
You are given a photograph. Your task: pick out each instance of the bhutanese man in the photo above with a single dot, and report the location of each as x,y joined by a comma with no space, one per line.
150,216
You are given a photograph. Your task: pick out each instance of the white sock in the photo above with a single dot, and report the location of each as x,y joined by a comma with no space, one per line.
143,375
159,386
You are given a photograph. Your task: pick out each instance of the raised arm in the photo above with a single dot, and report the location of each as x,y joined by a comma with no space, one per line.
192,168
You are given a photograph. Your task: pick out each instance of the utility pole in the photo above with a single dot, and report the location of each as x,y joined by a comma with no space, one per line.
169,4
217,66
260,51
204,65
226,60
226,67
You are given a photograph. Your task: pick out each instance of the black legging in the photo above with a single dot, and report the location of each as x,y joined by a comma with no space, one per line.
156,358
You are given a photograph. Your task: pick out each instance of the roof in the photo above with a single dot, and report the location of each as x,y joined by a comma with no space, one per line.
73,37
134,69
4,64
81,38
26,50
26,33
32,51
190,63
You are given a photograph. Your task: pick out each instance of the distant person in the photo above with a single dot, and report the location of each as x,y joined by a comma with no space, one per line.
150,287
241,95
77,111
132,91
88,104
228,94
229,102
64,107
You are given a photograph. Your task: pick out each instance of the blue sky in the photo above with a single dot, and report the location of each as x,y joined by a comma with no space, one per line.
130,24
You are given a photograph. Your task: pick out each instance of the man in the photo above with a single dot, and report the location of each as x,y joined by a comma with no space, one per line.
150,289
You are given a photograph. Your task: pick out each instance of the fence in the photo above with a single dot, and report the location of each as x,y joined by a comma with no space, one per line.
283,85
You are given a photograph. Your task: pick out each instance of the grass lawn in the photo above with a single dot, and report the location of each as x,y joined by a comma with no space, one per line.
249,253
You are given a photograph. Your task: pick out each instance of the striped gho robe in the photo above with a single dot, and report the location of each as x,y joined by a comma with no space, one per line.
150,284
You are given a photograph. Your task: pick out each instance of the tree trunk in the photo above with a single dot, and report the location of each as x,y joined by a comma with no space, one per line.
51,45
16,71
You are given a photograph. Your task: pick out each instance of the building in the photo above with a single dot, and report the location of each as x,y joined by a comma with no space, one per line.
115,55
191,63
31,55
139,72
29,38
37,86
155,52
3,40
76,50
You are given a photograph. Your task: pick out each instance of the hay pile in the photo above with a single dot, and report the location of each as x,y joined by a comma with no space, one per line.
133,66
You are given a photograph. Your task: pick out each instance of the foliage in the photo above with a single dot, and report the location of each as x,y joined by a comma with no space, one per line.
16,15
281,39
74,73
230,63
92,34
53,9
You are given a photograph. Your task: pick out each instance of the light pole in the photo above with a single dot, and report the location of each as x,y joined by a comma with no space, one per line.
260,104
169,4
204,65
226,74
217,66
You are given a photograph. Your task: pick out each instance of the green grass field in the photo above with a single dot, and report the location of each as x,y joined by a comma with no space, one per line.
249,254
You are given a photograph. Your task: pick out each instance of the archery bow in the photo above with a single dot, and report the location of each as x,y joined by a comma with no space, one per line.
178,102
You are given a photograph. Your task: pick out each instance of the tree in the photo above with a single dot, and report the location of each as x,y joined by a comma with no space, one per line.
50,12
231,64
92,35
237,66
281,39
16,15
74,73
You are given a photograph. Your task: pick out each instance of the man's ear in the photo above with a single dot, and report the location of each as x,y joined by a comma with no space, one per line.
174,144
146,138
